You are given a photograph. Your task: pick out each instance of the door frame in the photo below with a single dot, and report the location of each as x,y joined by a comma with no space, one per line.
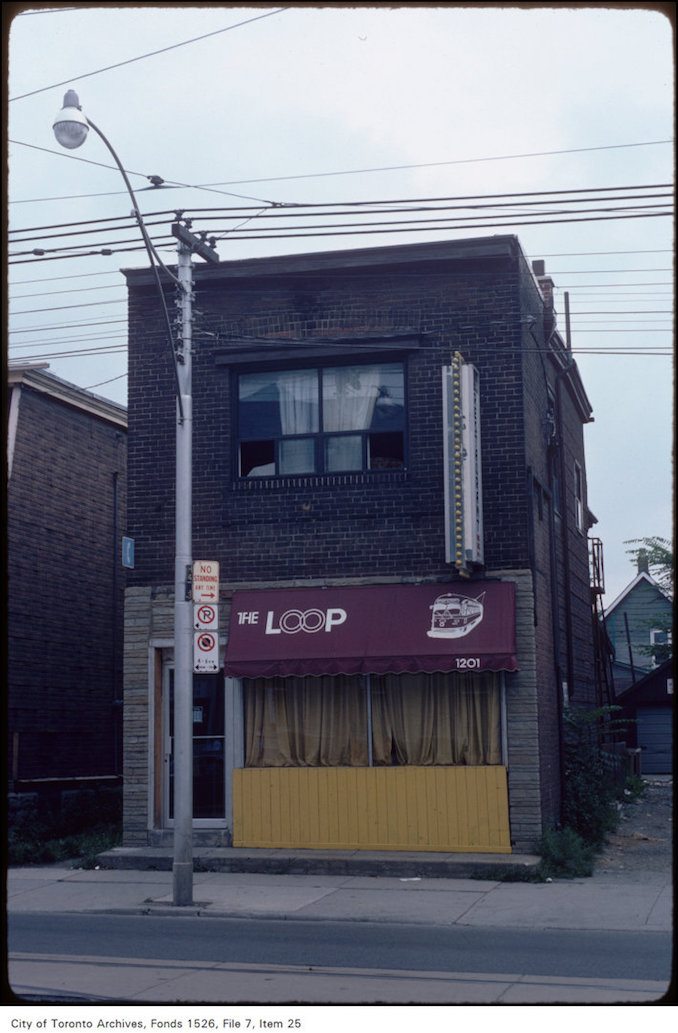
163,753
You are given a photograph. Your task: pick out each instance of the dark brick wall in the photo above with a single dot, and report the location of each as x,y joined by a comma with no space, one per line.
60,548
380,524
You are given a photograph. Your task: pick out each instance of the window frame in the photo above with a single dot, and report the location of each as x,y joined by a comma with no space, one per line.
320,437
655,640
370,687
579,502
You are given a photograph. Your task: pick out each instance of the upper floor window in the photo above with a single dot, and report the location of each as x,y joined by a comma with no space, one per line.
579,497
660,645
325,420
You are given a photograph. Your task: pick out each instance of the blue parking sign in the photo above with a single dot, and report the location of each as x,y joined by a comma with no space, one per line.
128,553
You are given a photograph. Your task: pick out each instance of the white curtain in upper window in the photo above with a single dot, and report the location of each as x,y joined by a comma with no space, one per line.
349,396
298,393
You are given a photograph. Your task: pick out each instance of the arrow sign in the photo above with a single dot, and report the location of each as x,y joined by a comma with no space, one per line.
205,581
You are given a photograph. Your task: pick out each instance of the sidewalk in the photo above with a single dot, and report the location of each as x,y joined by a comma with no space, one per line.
630,890
600,902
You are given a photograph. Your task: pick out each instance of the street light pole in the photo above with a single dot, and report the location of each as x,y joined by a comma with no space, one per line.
71,129
182,868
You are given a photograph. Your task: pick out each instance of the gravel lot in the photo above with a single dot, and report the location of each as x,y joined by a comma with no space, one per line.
643,842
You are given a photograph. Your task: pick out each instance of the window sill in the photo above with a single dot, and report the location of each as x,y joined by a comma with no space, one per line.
326,480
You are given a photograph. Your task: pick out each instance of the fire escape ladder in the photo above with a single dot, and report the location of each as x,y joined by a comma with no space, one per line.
601,643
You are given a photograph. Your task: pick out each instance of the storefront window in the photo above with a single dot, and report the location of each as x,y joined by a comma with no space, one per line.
305,722
347,721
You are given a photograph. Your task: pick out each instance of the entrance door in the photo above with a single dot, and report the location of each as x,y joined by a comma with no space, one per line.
208,749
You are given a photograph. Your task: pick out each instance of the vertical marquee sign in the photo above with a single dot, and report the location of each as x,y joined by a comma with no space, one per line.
462,466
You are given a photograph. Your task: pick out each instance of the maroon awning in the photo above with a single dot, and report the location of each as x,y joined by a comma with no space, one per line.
375,629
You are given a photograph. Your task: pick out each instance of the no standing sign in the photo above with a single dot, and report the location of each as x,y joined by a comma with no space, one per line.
205,581
205,617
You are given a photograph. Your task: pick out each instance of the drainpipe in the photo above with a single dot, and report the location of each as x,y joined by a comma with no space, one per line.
564,519
114,666
555,621
546,288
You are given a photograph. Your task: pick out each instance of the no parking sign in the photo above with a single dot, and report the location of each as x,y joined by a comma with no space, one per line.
205,617
205,652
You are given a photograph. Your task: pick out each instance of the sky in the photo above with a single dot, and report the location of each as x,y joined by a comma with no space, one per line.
300,105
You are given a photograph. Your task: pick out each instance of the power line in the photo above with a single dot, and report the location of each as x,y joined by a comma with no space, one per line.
274,210
320,175
569,254
154,53
581,254
103,165
71,290
70,339
369,229
73,276
66,326
600,351
602,327
128,220
437,164
62,308
77,354
104,382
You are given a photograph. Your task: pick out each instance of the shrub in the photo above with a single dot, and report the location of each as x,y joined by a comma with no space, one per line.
633,789
590,790
88,822
564,855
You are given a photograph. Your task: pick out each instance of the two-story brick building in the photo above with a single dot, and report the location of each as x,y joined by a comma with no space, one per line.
389,469
66,515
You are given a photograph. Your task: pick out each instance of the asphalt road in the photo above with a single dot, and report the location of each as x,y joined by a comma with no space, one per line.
358,945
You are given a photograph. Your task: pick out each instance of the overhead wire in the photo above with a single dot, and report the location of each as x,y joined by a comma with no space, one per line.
114,225
562,272
153,53
212,187
324,230
474,202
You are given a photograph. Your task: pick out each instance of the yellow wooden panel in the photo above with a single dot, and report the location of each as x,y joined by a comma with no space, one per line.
456,809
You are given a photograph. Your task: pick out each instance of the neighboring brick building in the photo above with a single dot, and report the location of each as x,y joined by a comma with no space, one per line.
66,512
426,651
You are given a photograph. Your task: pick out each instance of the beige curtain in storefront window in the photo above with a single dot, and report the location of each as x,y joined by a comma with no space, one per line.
306,722
436,719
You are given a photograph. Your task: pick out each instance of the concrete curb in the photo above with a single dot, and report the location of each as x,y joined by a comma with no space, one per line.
482,867
206,911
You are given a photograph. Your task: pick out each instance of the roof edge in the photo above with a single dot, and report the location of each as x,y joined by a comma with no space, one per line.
37,378
500,246
643,576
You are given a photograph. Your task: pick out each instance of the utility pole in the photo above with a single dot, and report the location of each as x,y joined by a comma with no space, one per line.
182,868
71,128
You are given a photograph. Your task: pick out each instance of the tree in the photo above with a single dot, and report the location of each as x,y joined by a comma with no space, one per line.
657,554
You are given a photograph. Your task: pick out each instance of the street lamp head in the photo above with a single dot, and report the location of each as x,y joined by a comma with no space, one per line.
70,125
